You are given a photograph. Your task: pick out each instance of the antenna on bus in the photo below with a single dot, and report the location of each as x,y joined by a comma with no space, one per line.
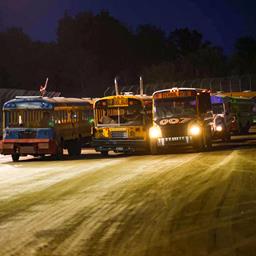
116,86
43,87
141,86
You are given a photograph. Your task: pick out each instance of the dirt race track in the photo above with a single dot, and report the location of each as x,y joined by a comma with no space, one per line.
170,204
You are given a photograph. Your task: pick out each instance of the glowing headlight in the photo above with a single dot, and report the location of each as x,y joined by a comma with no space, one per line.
219,128
195,130
155,132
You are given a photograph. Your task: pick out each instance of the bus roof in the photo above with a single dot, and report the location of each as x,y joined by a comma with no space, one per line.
181,89
139,97
226,97
45,102
245,94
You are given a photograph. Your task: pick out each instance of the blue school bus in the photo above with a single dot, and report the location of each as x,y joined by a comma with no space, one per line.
39,125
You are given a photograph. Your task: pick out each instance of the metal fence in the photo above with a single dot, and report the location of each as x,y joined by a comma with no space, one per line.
224,84
8,94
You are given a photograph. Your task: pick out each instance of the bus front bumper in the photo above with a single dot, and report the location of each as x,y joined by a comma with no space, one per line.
27,147
120,145
174,141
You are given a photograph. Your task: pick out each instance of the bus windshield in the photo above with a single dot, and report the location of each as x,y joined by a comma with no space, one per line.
28,119
218,108
173,107
121,116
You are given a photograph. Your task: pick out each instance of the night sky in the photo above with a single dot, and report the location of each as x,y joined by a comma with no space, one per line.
220,21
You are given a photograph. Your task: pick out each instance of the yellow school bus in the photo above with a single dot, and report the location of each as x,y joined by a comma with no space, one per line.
122,123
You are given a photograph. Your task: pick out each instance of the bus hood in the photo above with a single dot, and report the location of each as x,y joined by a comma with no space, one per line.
174,121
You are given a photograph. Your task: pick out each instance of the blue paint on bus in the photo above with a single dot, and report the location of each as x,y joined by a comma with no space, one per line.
28,133
216,99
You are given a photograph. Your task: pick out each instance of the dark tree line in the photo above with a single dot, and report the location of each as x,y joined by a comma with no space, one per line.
92,49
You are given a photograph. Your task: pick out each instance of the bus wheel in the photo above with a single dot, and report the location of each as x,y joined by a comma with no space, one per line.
59,153
198,144
227,137
78,148
104,153
71,148
245,129
15,157
208,140
153,147
208,143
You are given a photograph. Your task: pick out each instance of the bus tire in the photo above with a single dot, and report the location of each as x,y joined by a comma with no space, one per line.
15,157
153,147
208,140
227,137
78,148
198,144
245,129
59,153
208,144
104,153
71,148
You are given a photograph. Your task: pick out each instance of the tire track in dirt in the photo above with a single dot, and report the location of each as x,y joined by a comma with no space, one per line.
129,193
99,212
194,204
136,229
25,176
56,193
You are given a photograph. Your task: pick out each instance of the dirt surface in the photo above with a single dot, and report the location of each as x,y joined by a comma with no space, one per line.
170,204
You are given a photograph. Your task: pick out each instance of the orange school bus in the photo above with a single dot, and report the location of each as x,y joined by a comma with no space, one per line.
122,123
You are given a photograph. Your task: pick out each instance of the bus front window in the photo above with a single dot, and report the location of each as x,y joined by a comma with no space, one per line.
173,107
218,108
132,115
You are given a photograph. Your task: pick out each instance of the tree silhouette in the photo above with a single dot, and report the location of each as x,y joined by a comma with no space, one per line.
244,59
93,49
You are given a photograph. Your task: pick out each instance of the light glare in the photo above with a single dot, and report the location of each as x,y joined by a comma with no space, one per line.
195,130
155,132
219,128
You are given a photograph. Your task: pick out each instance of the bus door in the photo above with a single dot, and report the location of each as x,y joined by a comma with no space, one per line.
74,116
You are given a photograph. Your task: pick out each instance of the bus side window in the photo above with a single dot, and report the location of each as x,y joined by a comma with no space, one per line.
83,115
65,116
56,117
62,117
59,117
68,117
227,108
80,117
76,116
73,116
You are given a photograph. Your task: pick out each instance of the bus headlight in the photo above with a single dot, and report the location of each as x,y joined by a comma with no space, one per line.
155,132
195,130
219,128
99,133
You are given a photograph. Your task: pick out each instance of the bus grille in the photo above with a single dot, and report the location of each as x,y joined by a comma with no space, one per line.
119,134
174,130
